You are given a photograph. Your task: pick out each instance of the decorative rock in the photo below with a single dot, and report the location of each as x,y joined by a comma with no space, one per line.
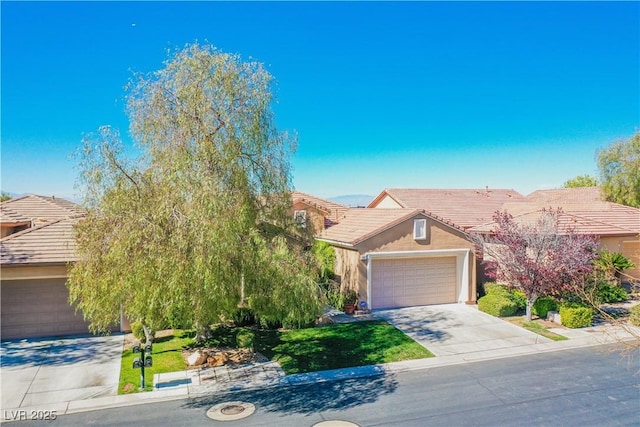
218,360
554,316
197,358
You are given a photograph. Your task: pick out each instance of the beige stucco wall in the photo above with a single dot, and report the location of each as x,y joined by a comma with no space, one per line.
314,216
352,271
628,246
20,272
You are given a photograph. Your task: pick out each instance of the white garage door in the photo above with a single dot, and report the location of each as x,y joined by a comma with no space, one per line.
406,282
37,308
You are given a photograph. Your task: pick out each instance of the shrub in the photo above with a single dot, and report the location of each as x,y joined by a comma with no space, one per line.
544,305
515,295
244,338
608,293
494,288
497,305
576,315
138,331
519,298
243,317
634,315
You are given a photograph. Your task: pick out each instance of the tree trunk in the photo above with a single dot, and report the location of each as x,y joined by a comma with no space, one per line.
147,334
203,332
531,300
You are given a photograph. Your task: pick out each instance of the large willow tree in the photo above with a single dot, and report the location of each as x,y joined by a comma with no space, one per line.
199,224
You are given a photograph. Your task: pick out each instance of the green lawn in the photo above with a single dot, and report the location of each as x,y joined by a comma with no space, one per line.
167,357
301,350
328,347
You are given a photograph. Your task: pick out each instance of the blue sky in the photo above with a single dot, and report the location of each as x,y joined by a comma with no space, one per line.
414,94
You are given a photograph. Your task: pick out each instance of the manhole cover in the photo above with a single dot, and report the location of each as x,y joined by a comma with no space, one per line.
231,411
335,423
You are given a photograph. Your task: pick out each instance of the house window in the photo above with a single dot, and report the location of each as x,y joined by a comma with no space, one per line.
300,217
419,229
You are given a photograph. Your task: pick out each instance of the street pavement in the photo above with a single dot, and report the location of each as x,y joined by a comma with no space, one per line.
456,334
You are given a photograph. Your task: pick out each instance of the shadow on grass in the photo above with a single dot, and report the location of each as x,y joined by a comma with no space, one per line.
329,347
311,398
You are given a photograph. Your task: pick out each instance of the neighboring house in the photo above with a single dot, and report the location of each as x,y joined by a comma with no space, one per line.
36,248
381,252
320,213
465,208
402,257
585,211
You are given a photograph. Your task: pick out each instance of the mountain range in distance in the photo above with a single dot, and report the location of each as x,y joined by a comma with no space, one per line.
353,200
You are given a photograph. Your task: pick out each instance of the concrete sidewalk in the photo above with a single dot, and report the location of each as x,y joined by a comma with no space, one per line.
205,382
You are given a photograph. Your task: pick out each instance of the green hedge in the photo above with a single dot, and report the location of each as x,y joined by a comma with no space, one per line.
576,316
515,295
497,305
491,288
634,315
544,305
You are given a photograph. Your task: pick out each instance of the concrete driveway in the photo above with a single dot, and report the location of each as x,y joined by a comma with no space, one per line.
38,372
458,329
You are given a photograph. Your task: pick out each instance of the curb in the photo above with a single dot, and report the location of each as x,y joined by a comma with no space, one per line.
590,339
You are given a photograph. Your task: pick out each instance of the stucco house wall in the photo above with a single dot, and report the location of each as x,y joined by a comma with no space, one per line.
351,269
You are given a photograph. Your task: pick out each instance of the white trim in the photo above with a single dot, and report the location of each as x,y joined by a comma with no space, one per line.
420,226
462,267
335,242
368,259
417,254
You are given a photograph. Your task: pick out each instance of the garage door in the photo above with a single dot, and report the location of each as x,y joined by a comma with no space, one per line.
37,308
406,282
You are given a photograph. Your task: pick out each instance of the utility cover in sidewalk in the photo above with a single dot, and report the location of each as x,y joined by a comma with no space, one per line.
231,411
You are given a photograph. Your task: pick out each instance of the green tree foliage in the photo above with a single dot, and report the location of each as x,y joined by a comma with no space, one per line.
619,166
581,181
4,197
199,224
612,264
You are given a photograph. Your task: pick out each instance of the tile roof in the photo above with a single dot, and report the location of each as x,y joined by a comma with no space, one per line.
334,210
465,208
32,207
360,224
583,208
49,243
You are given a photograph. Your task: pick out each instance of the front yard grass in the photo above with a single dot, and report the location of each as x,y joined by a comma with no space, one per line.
301,350
167,357
329,347
539,327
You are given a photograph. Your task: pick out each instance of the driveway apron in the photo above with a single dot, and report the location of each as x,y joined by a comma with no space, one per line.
50,370
457,329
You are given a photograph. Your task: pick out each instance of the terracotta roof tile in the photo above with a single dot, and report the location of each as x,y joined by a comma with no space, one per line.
32,207
334,210
50,243
360,224
465,208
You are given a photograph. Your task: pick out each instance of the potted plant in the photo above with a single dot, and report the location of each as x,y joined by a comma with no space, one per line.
350,301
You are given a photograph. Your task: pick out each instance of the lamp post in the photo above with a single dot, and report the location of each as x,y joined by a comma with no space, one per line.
142,361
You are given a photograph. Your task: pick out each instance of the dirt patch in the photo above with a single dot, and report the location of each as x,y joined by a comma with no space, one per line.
130,340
